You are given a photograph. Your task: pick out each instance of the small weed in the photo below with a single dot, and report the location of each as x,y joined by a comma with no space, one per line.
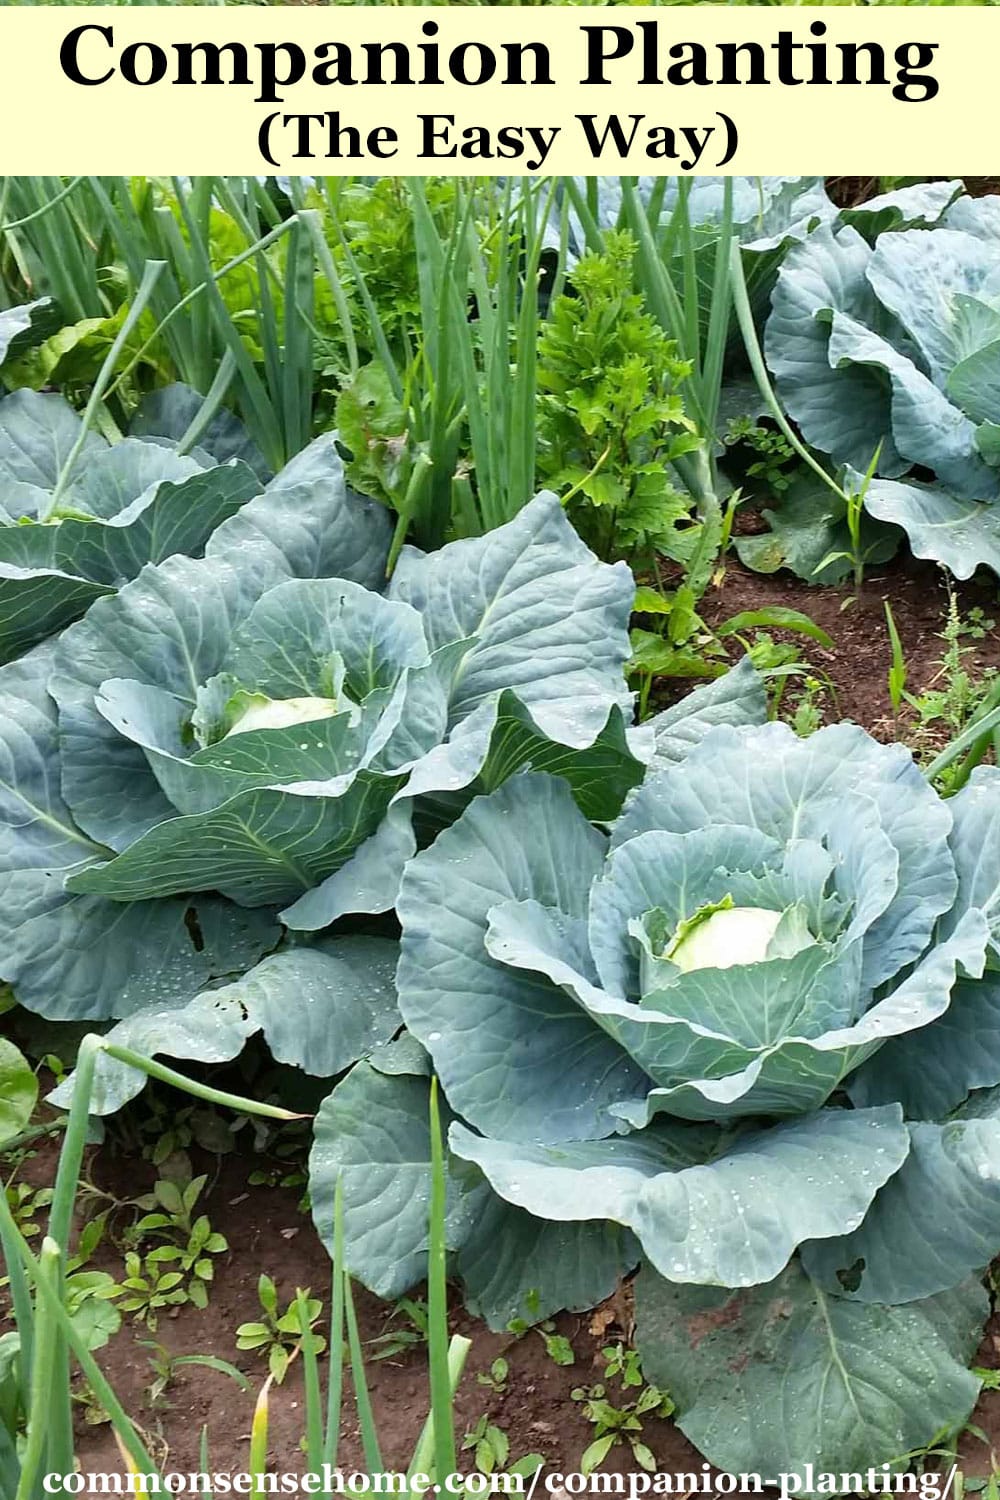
277,1177
618,1422
491,1450
495,1379
26,1203
165,1366
807,713
147,1290
897,671
954,697
772,470
856,553
190,1242
155,1129
90,1407
278,1335
490,1445
401,1340
622,1364
557,1346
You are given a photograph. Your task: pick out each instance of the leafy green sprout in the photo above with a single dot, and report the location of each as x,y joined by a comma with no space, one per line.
279,1335
770,468
557,1345
27,1204
619,1422
146,1291
897,674
957,701
165,1366
490,1447
857,554
189,1241
496,1377
413,1315
623,1364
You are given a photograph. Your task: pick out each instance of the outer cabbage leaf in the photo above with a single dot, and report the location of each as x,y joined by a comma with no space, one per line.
845,413
940,527
770,1379
319,1009
901,1252
732,1221
512,1050
170,412
548,625
372,1133
37,436
919,277
920,206
927,427
124,506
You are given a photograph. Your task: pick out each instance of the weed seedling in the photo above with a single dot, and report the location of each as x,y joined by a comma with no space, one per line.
26,1203
491,1450
775,460
190,1242
495,1379
620,1422
400,1340
897,671
856,553
557,1346
807,714
165,1366
955,699
278,1335
147,1290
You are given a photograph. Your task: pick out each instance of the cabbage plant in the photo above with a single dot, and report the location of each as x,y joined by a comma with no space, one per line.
712,1036
233,747
891,350
79,516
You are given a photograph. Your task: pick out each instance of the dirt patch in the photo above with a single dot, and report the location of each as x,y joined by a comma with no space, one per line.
858,666
267,1231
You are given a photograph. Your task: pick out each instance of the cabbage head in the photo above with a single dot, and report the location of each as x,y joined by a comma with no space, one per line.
892,347
729,1034
232,748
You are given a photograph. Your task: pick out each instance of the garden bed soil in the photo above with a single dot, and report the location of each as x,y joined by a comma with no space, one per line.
267,1231
858,665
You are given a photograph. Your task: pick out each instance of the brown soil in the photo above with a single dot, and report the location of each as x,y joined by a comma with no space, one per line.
858,665
267,1232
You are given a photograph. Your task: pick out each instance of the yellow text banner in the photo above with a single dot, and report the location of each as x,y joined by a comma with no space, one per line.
505,90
